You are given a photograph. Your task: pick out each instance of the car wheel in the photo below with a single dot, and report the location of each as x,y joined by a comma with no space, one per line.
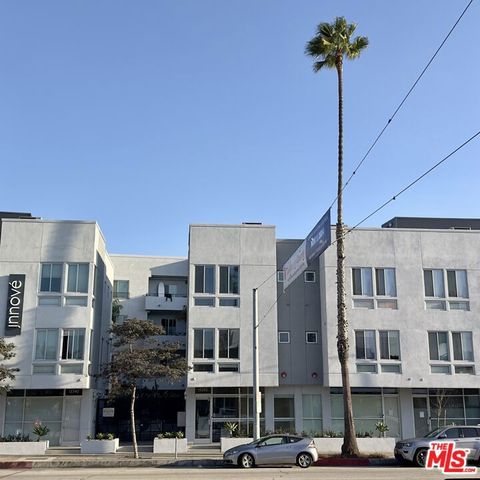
304,460
420,457
246,461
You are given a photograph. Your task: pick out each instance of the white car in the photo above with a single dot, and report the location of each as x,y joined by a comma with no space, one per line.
415,449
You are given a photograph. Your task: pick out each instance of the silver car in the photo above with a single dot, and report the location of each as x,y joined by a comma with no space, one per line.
274,449
415,449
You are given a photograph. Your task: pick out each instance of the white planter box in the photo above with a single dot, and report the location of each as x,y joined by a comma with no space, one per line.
367,446
167,445
229,442
24,448
98,447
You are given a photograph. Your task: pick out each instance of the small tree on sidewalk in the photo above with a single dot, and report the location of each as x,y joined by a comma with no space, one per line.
6,373
139,355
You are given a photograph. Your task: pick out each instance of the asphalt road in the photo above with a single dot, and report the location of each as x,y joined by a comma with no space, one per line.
161,473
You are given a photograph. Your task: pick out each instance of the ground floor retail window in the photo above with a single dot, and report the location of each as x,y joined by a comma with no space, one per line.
60,413
453,407
368,409
312,414
284,412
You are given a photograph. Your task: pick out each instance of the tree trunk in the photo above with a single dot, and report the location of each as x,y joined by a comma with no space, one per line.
349,447
132,419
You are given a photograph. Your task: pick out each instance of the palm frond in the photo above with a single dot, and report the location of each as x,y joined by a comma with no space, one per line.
356,47
331,41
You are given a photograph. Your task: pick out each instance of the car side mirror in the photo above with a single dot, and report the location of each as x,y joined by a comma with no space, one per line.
443,435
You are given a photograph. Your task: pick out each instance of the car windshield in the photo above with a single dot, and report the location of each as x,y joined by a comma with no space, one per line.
433,433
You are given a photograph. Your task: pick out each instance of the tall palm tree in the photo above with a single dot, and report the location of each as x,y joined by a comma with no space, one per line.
328,47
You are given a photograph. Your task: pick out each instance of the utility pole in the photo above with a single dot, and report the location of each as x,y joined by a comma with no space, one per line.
257,400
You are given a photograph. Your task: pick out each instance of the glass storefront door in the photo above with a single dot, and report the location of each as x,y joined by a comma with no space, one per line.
202,420
71,421
421,416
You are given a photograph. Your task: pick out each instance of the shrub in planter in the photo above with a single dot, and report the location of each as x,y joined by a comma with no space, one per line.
170,442
39,430
231,428
102,443
178,434
15,438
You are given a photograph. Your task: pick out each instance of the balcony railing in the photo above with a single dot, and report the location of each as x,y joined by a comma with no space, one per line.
167,301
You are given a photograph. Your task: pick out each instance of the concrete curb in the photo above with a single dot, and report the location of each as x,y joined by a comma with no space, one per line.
355,462
102,462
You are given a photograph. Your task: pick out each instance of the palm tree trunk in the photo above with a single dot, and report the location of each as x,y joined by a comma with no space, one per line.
349,447
132,420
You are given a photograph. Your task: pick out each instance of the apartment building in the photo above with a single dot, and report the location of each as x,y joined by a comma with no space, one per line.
413,298
55,284
154,289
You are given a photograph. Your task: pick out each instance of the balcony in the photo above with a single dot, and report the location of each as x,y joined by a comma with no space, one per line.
169,301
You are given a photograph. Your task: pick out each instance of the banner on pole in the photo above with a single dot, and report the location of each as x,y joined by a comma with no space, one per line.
313,246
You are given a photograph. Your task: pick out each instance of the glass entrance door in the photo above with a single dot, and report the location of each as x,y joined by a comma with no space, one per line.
71,421
421,415
202,420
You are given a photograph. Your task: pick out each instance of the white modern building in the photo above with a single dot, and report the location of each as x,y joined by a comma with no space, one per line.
413,299
55,304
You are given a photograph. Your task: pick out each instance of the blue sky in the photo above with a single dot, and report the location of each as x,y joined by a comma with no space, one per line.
150,115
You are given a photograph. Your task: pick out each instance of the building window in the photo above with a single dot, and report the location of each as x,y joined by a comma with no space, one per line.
169,326
204,302
283,337
468,369
76,368
284,413
228,367
73,344
229,302
389,345
280,276
43,369
228,343
120,288
50,300
229,279
462,346
385,282
77,279
204,279
391,368
457,289
309,277
362,282
203,367
457,283
438,346
51,277
46,344
385,288
76,301
312,413
365,345
203,343
311,337
366,368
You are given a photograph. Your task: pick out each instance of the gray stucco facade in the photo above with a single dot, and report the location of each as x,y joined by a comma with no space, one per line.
413,300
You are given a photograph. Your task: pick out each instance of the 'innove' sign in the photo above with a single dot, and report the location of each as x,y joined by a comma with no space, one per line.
16,289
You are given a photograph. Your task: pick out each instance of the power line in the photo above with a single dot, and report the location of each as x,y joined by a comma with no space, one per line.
269,310
403,101
267,279
411,184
